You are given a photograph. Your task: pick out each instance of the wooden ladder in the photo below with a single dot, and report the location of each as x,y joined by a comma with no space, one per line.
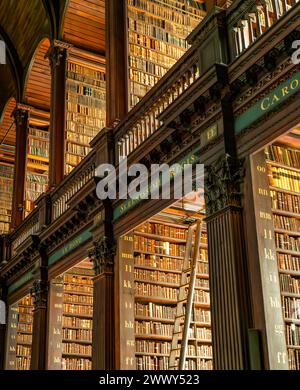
185,299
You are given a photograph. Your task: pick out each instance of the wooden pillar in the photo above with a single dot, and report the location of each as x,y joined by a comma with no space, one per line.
228,267
21,120
3,322
39,292
116,61
58,61
103,351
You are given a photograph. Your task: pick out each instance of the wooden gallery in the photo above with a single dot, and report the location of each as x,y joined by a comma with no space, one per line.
207,282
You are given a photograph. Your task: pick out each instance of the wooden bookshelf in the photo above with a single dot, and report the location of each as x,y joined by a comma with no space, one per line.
151,263
284,179
19,338
37,165
157,32
86,106
6,193
71,319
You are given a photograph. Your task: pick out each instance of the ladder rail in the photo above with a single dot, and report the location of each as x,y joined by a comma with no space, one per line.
190,297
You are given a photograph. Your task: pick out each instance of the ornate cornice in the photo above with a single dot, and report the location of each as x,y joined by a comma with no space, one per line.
102,255
222,184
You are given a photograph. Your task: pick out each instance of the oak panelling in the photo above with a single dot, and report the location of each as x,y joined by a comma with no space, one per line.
37,89
5,123
84,24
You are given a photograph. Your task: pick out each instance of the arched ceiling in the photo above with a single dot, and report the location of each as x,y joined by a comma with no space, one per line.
37,88
7,127
84,24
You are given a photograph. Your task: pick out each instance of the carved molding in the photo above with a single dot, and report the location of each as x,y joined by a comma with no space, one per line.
222,184
20,114
102,255
39,292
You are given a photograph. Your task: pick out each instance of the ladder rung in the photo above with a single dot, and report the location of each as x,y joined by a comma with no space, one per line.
185,271
177,332
175,349
182,300
180,316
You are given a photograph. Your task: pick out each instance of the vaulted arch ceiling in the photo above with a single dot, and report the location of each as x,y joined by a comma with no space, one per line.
84,24
37,89
7,126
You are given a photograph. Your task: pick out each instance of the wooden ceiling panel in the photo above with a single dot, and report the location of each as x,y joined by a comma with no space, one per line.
7,126
38,85
24,22
84,24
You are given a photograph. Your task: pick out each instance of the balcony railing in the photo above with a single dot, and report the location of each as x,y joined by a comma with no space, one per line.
250,19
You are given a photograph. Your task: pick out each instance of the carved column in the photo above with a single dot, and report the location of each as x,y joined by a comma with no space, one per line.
58,62
102,255
3,322
21,120
116,60
228,266
39,293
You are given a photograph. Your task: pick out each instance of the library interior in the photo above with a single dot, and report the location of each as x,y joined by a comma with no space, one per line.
207,282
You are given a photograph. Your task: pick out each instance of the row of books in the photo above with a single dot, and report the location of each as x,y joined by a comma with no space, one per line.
156,261
136,76
152,363
158,247
182,13
23,363
73,298
288,262
202,315
77,348
78,120
203,334
285,202
82,139
284,178
73,161
23,350
97,101
25,317
283,155
294,359
6,185
79,288
77,279
80,150
201,296
7,171
24,328
77,309
287,223
25,309
162,230
153,328
90,111
4,226
153,290
293,334
154,310
162,347
74,322
78,71
77,334
202,283
85,90
291,307
289,284
76,364
158,276
145,66
34,132
24,338
287,242
38,148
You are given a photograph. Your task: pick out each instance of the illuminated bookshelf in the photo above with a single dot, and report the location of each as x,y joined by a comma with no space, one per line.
86,109
156,37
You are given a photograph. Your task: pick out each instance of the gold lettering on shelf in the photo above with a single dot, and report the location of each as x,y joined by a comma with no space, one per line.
263,191
56,359
59,318
127,284
13,336
128,324
12,349
56,331
58,305
14,316
268,234
128,268
11,363
58,345
269,254
59,295
129,361
273,278
260,168
128,305
279,329
130,343
274,302
281,357
128,238
126,255
13,325
264,215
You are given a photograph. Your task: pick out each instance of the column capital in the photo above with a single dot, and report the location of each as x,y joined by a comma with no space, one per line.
222,187
102,255
57,51
21,113
39,292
